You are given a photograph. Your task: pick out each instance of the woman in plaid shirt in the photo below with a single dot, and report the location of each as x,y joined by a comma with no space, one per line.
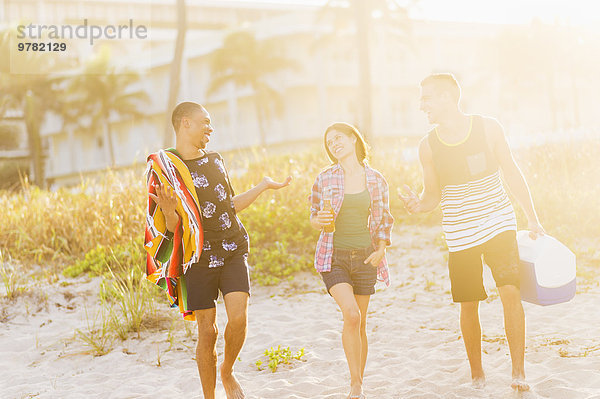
352,258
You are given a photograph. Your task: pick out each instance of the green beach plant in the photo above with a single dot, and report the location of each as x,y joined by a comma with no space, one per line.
98,338
104,260
10,279
133,302
275,357
85,228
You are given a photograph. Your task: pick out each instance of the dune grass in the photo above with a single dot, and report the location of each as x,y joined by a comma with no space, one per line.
99,224
96,228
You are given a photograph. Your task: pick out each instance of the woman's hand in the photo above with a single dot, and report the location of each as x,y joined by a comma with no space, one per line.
323,218
376,257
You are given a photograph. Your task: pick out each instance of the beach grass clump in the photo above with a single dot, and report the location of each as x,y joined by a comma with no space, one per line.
132,299
42,226
564,183
98,224
11,281
128,304
105,260
98,335
269,266
278,356
11,278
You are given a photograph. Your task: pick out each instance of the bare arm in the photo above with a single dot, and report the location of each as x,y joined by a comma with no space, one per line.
431,194
512,174
244,200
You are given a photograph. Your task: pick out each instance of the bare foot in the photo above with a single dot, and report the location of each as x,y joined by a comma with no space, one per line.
478,383
356,392
233,389
519,384
477,379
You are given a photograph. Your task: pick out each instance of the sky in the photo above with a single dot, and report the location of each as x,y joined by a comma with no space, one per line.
575,12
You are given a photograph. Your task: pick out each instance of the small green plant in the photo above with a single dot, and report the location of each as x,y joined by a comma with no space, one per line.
278,356
84,226
134,301
158,363
275,263
11,281
94,262
102,259
98,339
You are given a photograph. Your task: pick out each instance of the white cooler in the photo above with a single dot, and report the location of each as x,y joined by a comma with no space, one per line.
547,270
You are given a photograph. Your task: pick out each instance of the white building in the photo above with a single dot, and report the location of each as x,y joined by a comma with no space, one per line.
323,90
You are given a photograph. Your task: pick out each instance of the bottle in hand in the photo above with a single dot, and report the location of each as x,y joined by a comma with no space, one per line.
330,228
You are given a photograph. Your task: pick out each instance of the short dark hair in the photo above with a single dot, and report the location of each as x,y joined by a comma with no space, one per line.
443,82
184,110
362,148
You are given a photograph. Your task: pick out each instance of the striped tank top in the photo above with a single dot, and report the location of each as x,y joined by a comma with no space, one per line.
475,206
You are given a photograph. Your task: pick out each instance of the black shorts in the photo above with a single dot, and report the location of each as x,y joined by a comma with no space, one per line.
348,266
203,283
500,253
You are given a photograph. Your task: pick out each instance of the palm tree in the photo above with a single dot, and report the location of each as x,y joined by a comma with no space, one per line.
12,165
101,92
360,13
33,95
175,70
247,62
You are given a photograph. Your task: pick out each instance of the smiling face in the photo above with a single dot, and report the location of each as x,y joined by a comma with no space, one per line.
340,145
440,96
197,128
433,103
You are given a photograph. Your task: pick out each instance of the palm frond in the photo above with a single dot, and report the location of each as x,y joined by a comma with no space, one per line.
218,82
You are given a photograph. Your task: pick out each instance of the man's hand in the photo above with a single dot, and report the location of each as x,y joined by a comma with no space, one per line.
244,200
376,257
167,200
411,200
271,184
535,229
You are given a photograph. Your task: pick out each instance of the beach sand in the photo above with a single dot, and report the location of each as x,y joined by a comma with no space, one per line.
415,349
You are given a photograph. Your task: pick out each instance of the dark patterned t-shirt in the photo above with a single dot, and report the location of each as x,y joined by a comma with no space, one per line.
224,234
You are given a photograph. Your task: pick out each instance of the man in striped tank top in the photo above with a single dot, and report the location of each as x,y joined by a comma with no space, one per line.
462,160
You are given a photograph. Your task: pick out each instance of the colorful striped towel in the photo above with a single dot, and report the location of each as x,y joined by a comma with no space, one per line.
170,254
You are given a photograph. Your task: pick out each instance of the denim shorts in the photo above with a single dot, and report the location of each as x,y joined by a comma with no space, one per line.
348,266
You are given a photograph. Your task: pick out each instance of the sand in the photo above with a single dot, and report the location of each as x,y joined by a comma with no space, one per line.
415,345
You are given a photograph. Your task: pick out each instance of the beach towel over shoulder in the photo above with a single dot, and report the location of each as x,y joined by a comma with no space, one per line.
171,253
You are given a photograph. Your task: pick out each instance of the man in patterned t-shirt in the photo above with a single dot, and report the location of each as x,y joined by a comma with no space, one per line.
222,264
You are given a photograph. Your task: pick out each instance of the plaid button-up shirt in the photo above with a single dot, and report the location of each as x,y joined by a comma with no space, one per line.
380,219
